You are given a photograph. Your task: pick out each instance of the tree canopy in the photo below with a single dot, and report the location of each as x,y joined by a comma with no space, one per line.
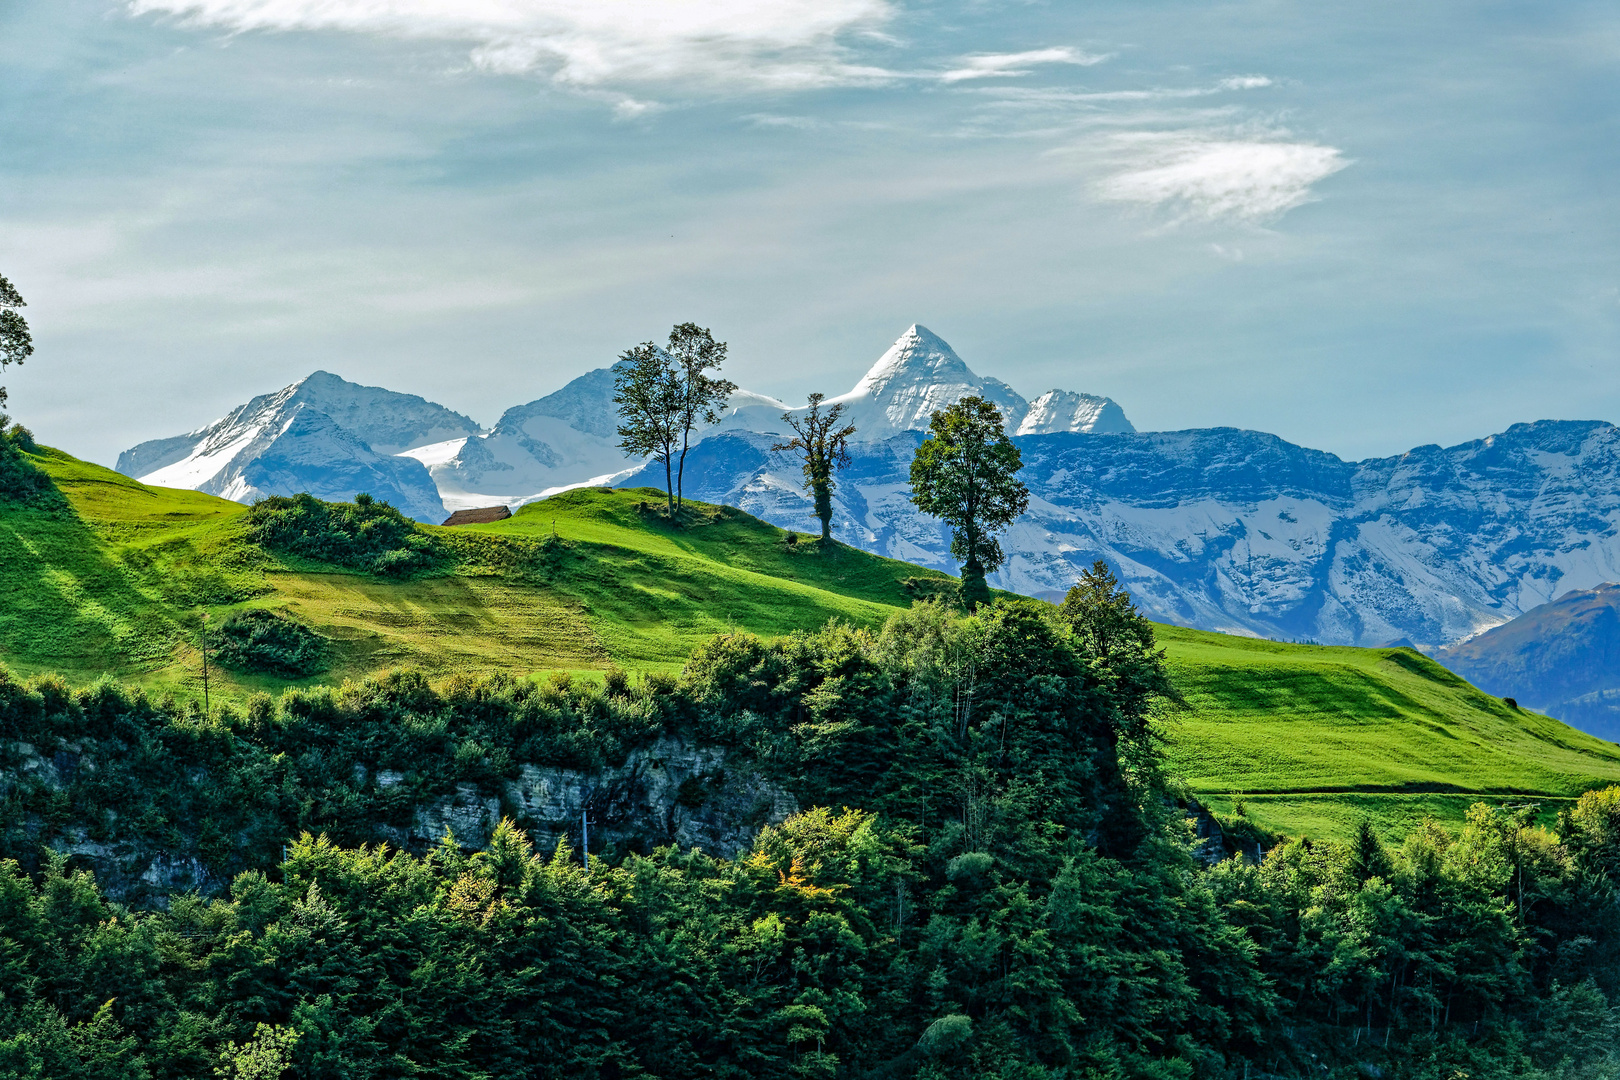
702,396
823,448
647,391
16,343
965,474
664,393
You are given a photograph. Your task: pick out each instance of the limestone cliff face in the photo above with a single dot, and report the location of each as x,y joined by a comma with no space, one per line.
668,792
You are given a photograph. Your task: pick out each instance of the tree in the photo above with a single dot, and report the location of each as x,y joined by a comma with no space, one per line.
1119,642
963,474
825,449
647,390
16,344
663,394
701,397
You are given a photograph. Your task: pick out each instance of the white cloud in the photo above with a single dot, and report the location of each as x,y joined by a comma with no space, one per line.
1196,175
1002,65
787,44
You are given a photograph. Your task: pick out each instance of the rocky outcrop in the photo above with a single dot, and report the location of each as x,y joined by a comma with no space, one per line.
669,792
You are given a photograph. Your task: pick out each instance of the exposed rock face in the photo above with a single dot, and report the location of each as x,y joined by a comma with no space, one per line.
668,792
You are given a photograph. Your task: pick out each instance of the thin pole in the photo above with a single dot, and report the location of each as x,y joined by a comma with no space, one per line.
205,662
585,835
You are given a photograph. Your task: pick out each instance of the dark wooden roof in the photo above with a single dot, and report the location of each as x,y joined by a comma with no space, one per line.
479,516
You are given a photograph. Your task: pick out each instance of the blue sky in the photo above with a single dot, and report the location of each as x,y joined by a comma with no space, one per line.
1363,227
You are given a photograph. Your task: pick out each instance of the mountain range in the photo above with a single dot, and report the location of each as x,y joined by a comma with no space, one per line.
1217,528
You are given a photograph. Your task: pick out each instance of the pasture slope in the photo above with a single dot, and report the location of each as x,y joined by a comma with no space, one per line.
1300,739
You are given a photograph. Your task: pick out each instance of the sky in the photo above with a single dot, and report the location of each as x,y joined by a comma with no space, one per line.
1363,227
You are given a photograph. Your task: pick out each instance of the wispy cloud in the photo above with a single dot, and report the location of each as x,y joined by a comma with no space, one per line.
1197,175
786,44
1003,65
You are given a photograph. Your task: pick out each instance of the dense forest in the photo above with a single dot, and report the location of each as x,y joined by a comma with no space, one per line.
992,878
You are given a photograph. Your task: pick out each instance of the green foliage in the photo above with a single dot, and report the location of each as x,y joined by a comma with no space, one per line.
264,1057
261,640
823,447
1003,891
647,391
964,474
16,343
363,535
701,397
664,394
21,481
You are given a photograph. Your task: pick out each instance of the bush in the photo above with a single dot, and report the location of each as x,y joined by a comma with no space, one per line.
363,535
259,640
20,480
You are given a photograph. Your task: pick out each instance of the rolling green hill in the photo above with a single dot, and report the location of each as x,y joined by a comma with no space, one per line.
1303,738
116,583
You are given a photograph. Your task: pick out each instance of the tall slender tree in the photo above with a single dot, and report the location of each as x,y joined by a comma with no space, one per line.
964,474
647,389
702,397
16,343
824,448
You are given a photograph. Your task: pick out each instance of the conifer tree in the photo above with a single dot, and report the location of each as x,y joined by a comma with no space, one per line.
824,448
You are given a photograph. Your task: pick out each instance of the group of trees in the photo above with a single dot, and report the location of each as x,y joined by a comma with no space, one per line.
964,473
1005,889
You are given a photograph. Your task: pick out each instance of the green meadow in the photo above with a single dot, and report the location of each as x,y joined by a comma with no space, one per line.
1297,738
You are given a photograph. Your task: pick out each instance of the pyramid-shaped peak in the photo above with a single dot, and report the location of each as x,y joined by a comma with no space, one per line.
917,354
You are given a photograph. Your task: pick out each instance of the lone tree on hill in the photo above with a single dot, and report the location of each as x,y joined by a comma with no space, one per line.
664,394
16,344
647,392
702,397
963,474
824,446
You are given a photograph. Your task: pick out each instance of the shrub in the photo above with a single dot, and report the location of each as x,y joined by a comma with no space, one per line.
20,480
363,535
259,640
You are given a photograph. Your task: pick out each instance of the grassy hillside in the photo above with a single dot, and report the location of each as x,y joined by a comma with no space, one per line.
116,583
1308,739
1311,738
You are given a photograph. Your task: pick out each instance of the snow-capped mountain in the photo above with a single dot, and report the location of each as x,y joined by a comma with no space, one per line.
323,435
1243,532
563,439
569,437
1065,410
1218,528
921,374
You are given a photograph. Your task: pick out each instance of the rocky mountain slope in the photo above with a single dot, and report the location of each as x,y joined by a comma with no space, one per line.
1243,532
1562,658
323,435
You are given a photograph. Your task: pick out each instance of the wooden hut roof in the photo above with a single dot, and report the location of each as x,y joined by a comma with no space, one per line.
478,517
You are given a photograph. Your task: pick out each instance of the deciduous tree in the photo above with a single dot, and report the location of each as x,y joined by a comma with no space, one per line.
823,447
701,397
964,473
647,390
16,344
